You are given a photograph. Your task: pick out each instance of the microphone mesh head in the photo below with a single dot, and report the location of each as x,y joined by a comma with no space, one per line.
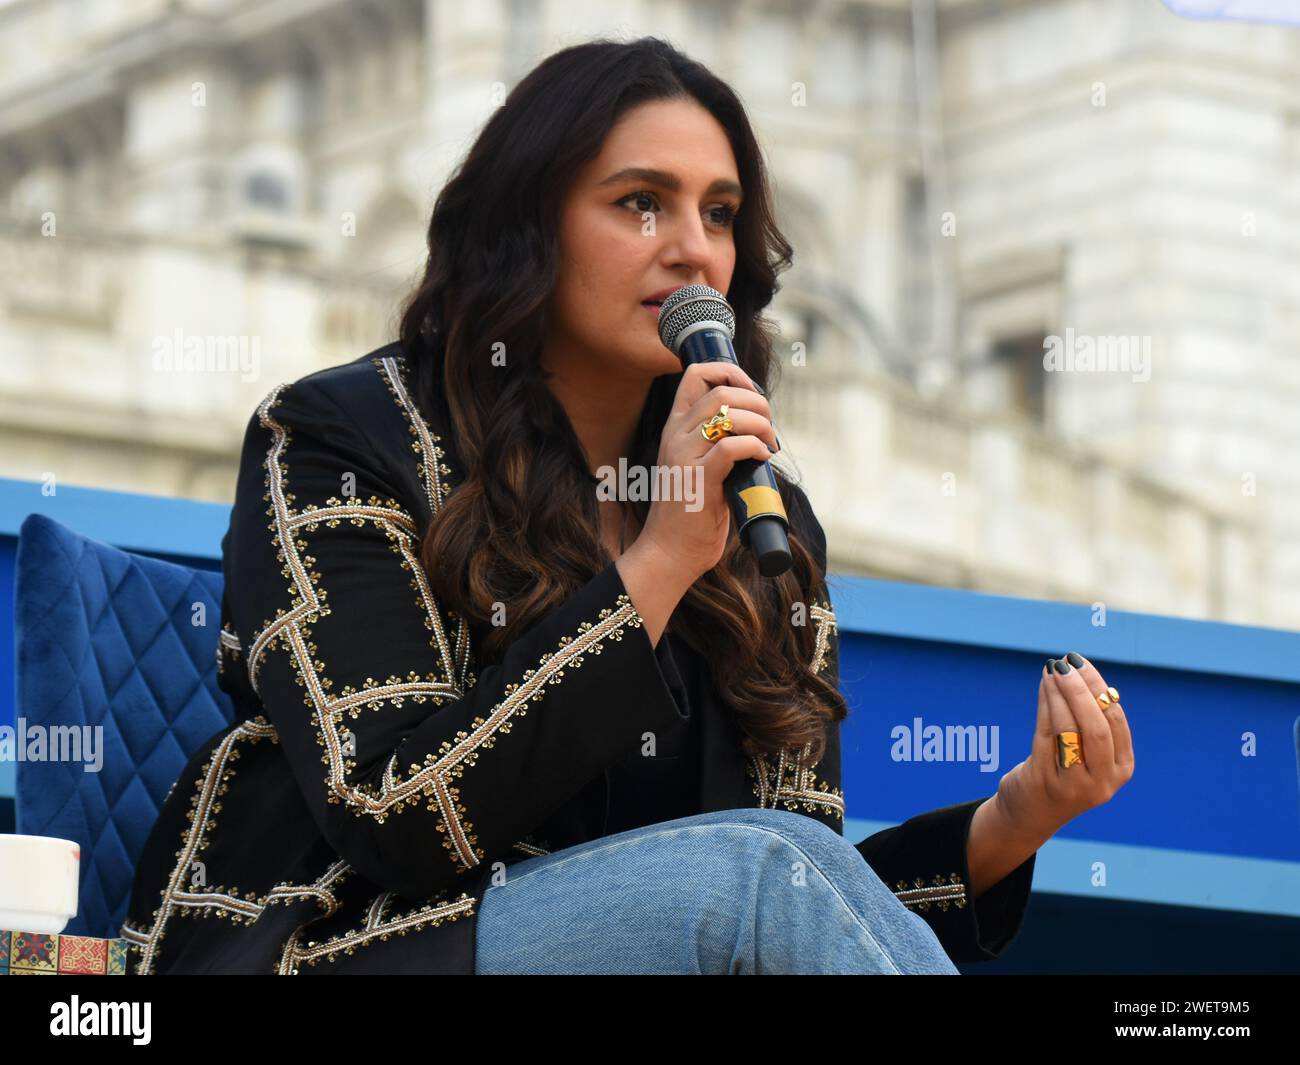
689,306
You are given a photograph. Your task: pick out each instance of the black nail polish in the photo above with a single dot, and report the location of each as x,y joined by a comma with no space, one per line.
770,448
1075,660
778,441
1062,666
1048,665
758,388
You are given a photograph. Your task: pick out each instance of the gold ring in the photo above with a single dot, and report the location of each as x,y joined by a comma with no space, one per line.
1107,698
1068,750
718,426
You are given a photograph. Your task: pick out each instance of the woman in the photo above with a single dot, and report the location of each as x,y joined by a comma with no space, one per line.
524,728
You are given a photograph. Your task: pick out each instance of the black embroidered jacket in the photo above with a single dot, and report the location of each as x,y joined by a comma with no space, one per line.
352,817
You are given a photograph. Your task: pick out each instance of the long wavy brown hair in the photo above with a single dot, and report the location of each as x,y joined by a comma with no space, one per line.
523,529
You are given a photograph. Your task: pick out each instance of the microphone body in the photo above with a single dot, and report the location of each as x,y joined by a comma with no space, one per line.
696,323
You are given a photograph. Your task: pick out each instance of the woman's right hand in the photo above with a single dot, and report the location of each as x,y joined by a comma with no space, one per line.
694,539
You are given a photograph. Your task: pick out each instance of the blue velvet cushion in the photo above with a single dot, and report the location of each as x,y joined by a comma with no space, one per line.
113,639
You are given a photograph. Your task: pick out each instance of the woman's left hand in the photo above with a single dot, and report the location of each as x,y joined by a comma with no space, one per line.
1038,796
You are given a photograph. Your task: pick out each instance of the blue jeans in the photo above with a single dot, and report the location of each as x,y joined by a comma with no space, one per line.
733,891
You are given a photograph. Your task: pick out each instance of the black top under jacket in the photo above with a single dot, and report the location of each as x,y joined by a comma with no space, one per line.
350,820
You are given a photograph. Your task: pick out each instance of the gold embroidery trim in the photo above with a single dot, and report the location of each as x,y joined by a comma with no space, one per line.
793,785
826,624
449,762
790,783
402,530
227,641
222,902
434,474
431,468
135,936
435,779
941,892
374,928
311,602
213,783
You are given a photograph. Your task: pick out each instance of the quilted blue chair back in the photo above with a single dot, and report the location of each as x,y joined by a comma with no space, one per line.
125,645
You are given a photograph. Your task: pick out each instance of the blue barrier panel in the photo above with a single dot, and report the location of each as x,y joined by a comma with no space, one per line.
1210,820
1211,817
150,525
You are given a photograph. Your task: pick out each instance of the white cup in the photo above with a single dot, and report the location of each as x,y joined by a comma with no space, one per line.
40,877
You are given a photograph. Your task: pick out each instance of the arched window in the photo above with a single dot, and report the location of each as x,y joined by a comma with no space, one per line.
267,190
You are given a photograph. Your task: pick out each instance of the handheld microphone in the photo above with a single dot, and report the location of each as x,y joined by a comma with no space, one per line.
696,324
